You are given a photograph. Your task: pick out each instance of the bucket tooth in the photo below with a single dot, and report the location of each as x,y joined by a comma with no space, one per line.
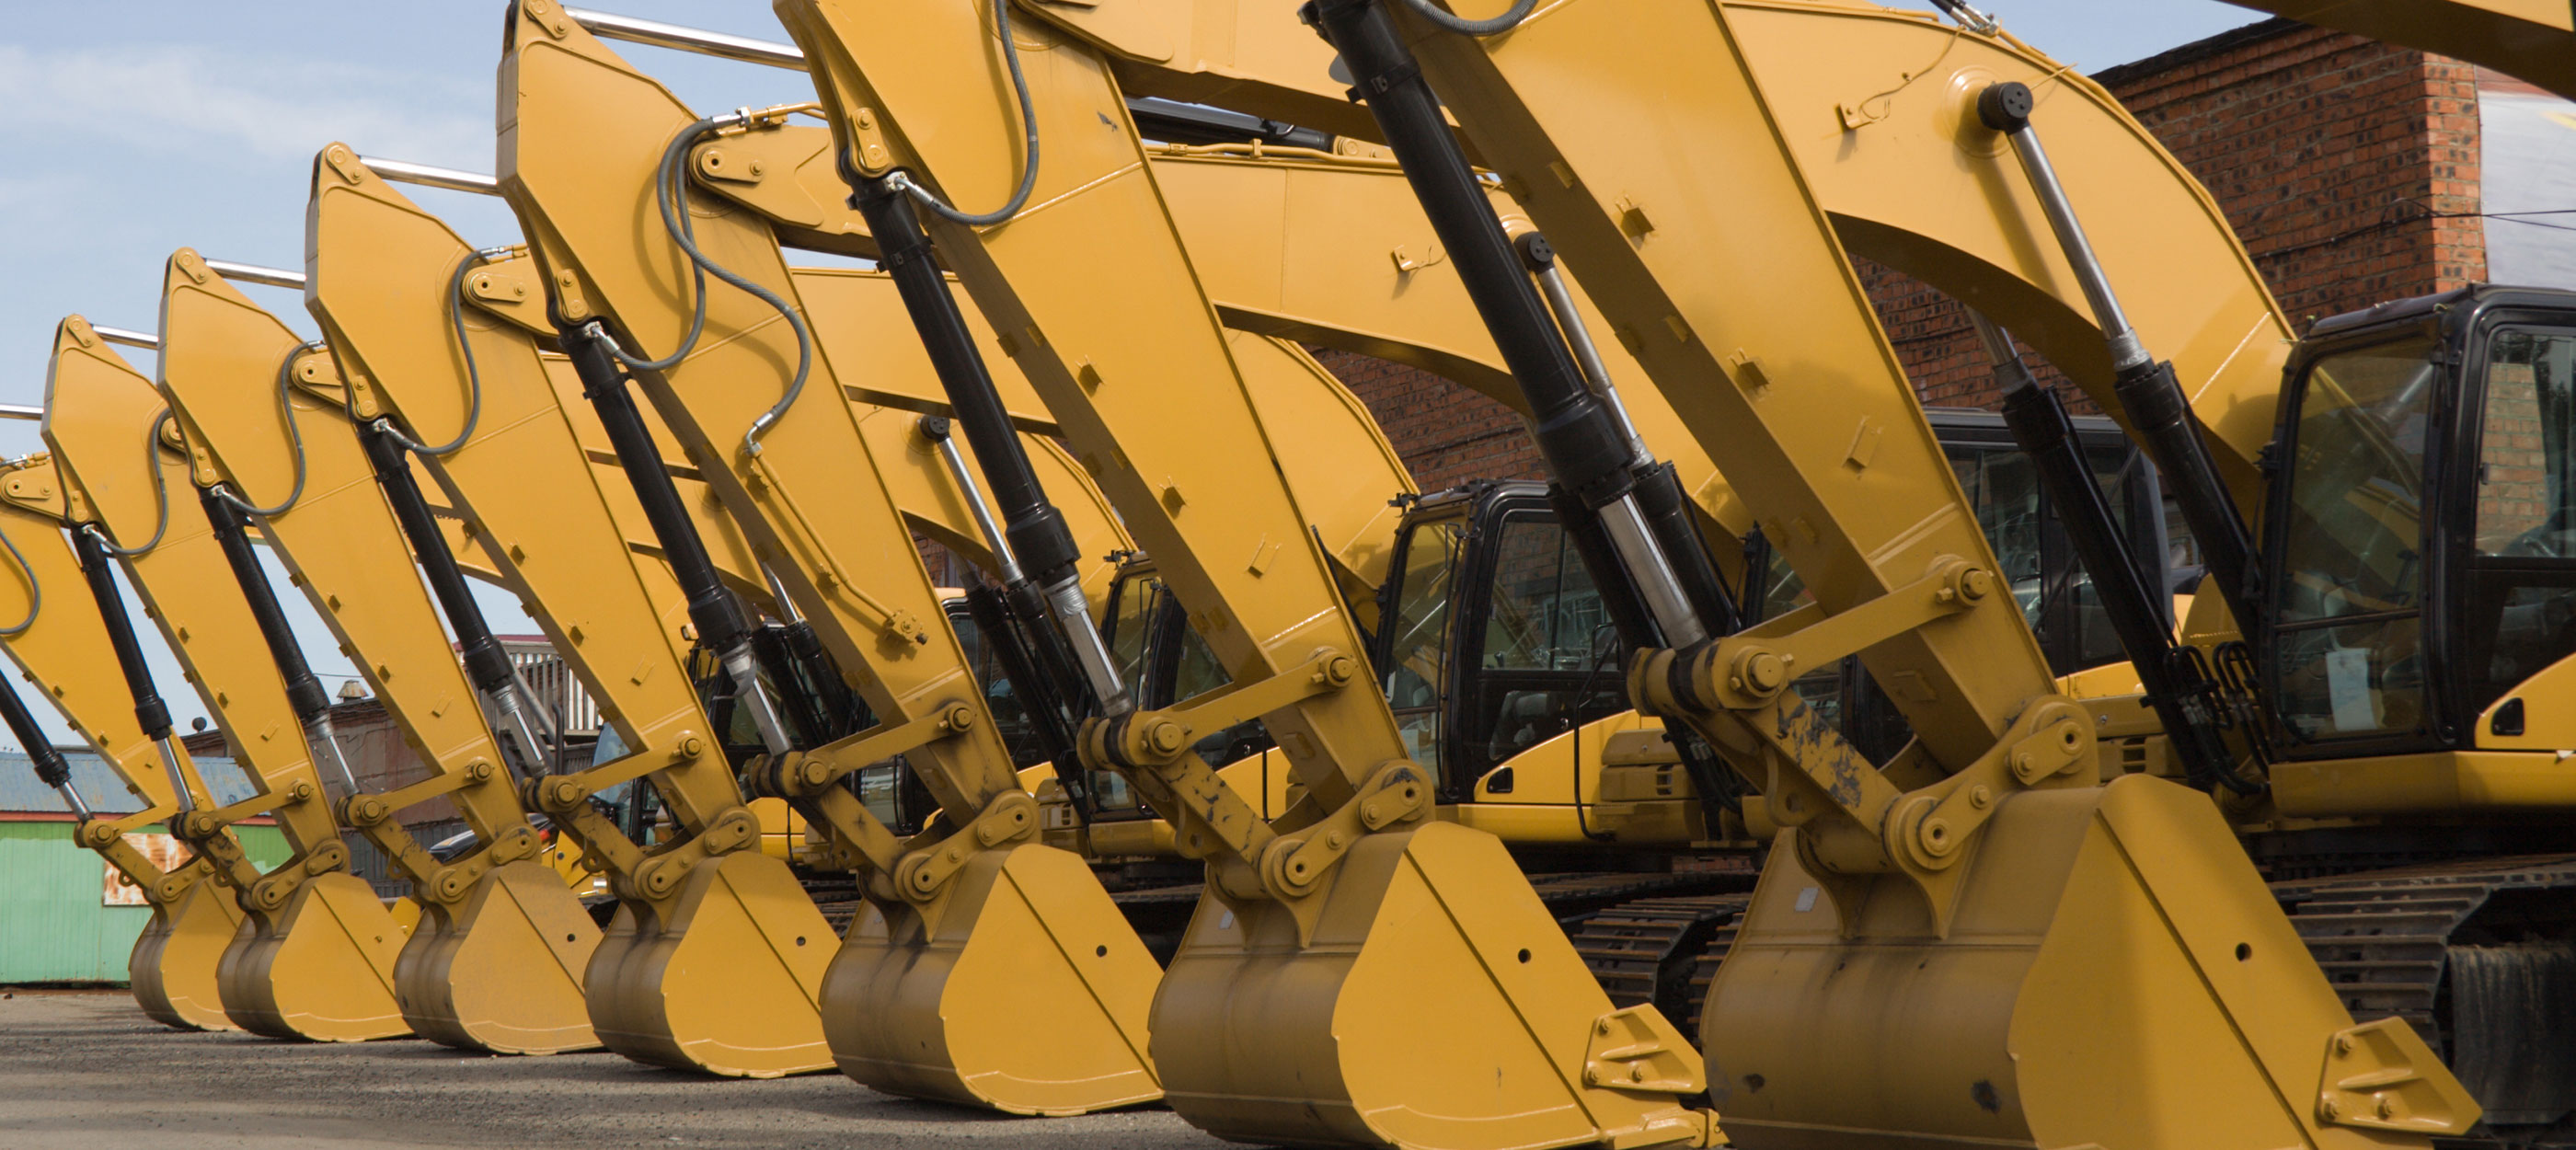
728,983
1029,995
2113,949
320,968
502,971
173,965
1437,1005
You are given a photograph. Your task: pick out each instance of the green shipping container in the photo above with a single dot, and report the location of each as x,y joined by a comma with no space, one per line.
55,925
59,921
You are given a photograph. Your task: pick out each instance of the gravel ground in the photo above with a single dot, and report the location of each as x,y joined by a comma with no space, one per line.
86,1069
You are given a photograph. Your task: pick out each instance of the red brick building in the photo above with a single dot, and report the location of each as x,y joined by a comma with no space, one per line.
2348,167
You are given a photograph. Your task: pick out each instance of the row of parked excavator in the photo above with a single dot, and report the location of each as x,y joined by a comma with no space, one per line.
1792,758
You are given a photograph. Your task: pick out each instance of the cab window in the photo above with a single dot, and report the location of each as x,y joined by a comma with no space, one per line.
1418,636
2521,593
2347,658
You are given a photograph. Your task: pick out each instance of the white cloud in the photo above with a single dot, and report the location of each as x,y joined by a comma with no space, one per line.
205,102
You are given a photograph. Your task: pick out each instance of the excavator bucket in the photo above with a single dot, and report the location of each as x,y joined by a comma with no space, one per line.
320,968
729,984
172,968
517,921
1023,990
1343,1041
2113,952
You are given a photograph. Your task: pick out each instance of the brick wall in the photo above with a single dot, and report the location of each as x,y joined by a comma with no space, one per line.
2348,167
1447,433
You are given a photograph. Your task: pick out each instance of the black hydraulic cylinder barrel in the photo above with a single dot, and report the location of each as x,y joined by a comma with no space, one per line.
1006,637
839,711
2164,423
721,623
51,768
1036,530
303,690
149,710
2041,428
1583,445
485,662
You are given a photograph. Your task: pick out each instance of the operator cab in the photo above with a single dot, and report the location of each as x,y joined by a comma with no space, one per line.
1492,637
2421,525
2047,580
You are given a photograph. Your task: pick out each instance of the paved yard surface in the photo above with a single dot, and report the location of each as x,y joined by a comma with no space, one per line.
87,1070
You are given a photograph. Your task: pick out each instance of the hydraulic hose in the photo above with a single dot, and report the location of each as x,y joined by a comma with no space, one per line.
671,194
294,437
160,498
464,347
35,589
1028,119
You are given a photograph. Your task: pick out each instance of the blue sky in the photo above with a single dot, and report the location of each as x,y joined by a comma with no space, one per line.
147,125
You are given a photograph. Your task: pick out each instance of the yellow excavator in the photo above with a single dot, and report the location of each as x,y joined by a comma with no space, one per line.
373,252
56,647
315,959
1954,657
2338,1113
1557,804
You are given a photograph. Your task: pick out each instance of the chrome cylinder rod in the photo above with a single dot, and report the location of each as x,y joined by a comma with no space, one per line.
935,429
1653,572
127,337
322,742
1578,337
168,745
750,694
611,26
1073,617
778,597
2005,358
2007,108
256,274
21,411
432,176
